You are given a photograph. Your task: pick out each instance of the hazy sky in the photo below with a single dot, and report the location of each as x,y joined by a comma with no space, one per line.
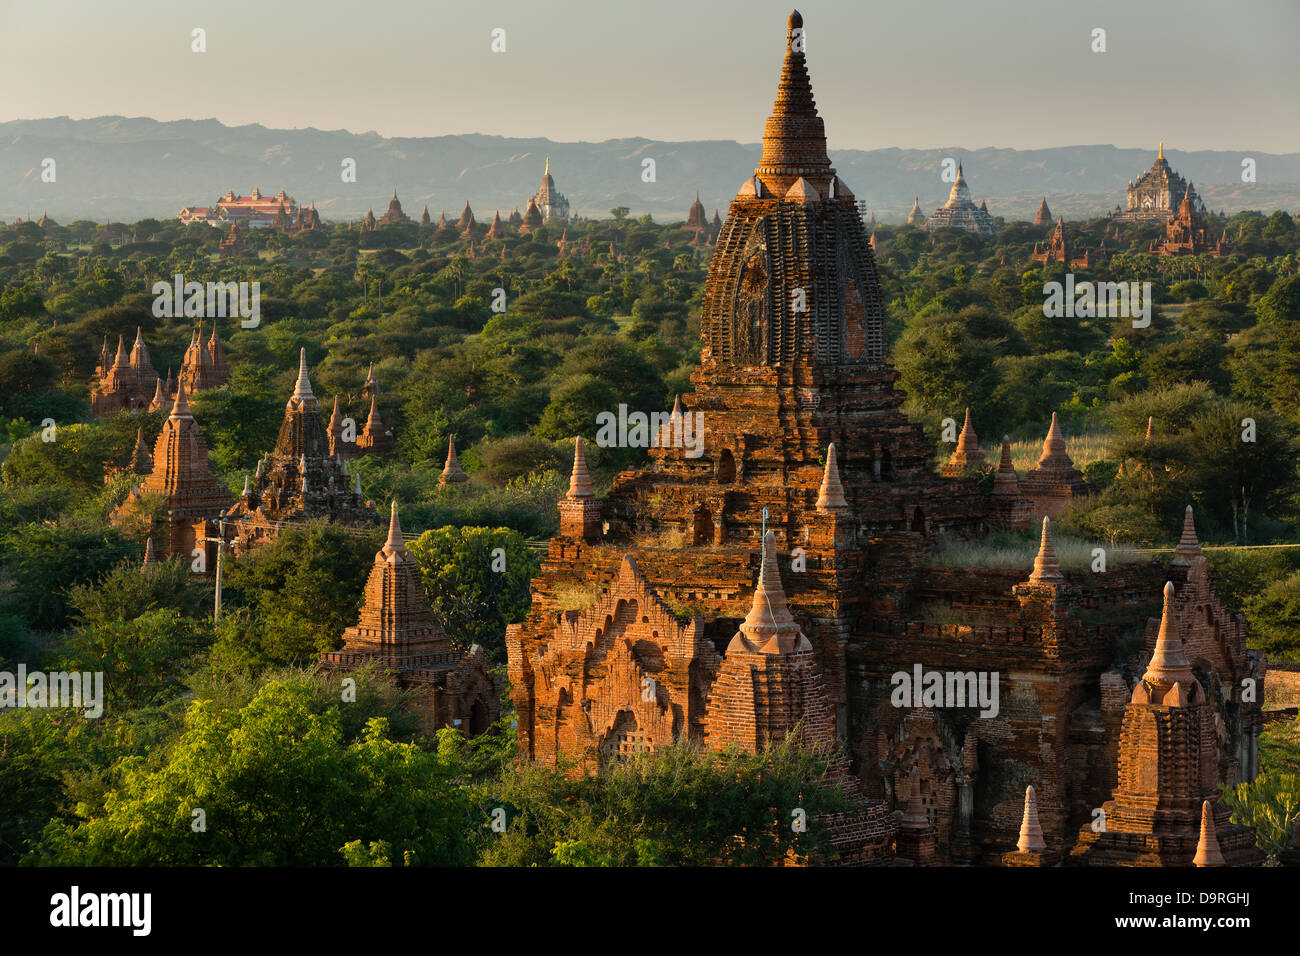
1200,74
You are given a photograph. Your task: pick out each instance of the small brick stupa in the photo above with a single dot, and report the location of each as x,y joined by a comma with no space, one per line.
1008,508
182,477
1054,483
967,455
375,438
452,473
1168,768
299,480
126,380
396,629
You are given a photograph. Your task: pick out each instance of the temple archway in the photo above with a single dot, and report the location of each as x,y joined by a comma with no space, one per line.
703,529
726,467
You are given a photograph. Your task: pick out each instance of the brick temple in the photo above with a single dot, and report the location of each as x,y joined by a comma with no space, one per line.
300,479
1187,233
125,380
1156,194
182,478
808,465
396,630
1060,249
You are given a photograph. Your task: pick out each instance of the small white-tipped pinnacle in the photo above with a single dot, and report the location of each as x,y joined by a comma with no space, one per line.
246,488
579,480
356,488
1208,852
1031,833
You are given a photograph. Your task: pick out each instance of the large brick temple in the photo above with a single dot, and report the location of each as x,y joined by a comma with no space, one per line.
646,625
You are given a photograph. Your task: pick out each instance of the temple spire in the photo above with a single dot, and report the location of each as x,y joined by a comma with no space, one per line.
181,407
1031,833
1046,567
452,473
1169,664
302,388
1189,548
770,627
794,139
580,480
394,543
1207,847
150,556
1161,153
831,496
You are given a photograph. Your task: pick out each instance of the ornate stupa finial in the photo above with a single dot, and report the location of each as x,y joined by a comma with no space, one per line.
1047,570
302,388
831,495
1169,664
580,479
1208,852
1189,547
769,628
1031,833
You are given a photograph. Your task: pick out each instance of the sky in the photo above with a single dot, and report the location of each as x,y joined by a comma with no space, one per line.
1199,74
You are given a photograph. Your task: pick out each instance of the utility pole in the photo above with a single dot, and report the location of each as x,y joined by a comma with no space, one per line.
221,550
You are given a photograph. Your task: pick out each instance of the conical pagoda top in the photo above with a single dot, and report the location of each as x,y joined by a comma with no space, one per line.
769,628
336,420
1207,847
794,139
181,407
1047,569
150,556
1169,664
1031,833
302,388
1189,547
915,215
579,480
1044,216
1161,153
1151,428
1005,480
831,496
1054,455
394,544
451,471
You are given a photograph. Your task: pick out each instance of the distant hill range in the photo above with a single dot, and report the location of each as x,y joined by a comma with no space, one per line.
112,167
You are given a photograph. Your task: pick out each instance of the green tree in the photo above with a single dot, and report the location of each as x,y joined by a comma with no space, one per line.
477,581
277,786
